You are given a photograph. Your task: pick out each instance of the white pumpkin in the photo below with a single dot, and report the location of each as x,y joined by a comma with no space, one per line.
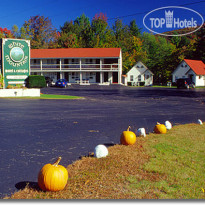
100,151
141,132
200,122
168,125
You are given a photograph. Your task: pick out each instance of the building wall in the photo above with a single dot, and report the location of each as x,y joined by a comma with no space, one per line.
148,78
90,69
139,73
180,71
200,80
184,71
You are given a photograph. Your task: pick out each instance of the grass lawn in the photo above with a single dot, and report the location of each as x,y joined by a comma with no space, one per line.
159,166
163,86
49,97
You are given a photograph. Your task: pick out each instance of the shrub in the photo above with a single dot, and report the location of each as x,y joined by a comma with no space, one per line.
142,83
1,81
35,81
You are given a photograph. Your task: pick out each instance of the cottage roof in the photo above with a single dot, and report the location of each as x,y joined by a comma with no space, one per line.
196,65
76,53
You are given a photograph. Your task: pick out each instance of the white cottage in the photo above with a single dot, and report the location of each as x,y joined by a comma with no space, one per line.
193,69
140,74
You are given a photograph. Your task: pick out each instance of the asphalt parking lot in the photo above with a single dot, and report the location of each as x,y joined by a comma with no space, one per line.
36,132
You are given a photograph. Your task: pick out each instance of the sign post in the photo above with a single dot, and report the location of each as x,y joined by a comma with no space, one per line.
15,55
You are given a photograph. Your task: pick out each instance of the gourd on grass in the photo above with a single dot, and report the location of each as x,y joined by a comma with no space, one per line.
160,128
128,137
53,177
100,151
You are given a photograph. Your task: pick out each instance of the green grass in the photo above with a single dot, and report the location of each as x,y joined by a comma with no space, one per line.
180,155
198,87
163,86
49,97
159,166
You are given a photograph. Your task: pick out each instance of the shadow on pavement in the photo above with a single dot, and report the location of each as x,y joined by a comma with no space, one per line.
29,184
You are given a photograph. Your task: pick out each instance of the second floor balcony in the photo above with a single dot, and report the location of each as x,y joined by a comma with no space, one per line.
74,67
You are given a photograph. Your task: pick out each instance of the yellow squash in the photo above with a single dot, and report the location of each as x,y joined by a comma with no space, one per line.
53,177
128,137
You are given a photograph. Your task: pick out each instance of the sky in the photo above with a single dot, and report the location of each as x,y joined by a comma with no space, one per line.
14,12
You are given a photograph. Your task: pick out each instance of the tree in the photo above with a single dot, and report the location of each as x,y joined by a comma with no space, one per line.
81,24
121,32
23,33
5,33
40,31
135,31
82,31
68,40
99,25
15,31
159,51
134,52
199,45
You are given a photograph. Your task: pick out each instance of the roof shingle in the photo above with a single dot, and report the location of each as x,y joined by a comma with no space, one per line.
76,53
197,66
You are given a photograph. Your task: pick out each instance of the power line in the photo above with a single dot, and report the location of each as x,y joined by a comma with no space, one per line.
28,9
139,13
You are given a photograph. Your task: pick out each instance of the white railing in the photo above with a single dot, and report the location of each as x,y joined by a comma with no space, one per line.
74,67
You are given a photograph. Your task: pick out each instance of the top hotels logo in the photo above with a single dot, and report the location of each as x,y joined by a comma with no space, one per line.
170,18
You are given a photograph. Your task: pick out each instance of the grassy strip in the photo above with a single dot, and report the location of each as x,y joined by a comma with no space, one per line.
167,166
49,97
180,156
163,86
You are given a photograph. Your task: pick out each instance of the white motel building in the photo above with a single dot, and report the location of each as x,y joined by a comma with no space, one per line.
78,65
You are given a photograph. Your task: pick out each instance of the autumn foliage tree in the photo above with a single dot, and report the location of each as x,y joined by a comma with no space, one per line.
40,30
161,54
5,33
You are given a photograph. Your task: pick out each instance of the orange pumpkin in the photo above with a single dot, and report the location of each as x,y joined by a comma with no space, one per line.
160,128
53,177
128,137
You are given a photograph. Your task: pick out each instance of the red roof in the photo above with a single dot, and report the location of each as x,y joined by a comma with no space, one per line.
76,53
197,66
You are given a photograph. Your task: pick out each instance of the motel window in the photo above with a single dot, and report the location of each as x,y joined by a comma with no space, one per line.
89,61
74,61
131,77
50,61
36,61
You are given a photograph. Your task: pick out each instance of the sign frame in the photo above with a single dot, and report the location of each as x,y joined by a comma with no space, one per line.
15,57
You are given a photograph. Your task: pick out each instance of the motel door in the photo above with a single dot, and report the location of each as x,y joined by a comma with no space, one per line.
58,76
115,77
97,77
105,76
66,76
